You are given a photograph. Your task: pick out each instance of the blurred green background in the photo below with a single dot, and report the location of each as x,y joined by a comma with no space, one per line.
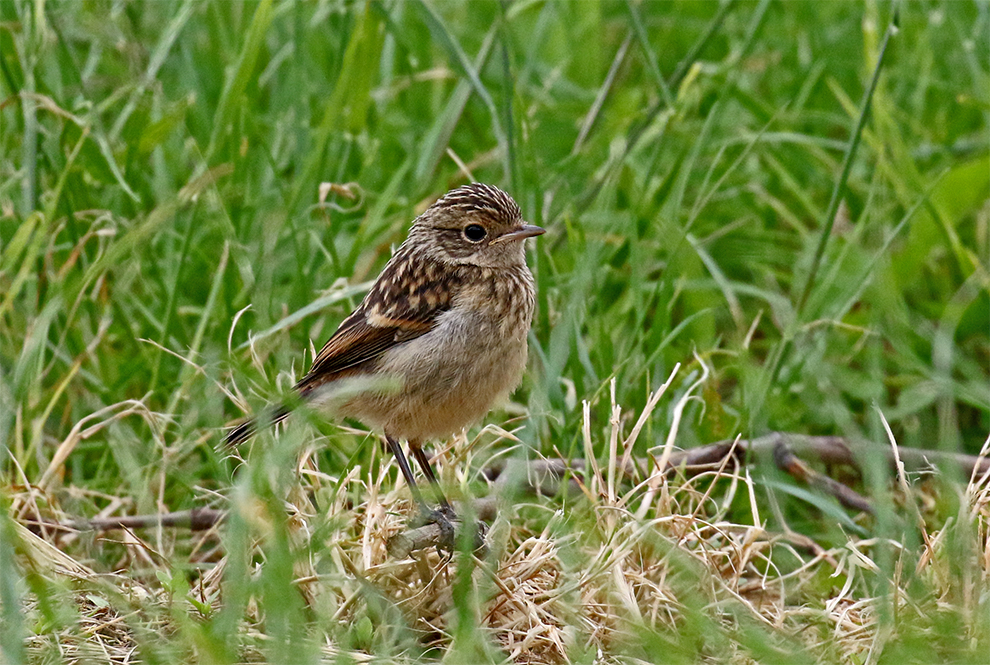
162,163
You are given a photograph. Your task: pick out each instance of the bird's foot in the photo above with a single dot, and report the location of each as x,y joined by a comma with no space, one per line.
450,526
438,528
446,520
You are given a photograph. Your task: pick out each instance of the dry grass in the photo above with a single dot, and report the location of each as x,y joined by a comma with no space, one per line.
578,580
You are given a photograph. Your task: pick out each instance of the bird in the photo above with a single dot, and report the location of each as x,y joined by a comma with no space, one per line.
440,338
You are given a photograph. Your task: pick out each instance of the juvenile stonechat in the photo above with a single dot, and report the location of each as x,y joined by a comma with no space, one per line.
441,336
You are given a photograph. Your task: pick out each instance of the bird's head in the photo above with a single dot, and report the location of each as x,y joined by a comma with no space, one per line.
477,225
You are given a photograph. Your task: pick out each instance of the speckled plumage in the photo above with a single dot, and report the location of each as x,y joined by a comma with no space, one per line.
441,336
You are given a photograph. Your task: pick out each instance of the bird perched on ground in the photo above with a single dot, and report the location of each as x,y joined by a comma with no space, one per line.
441,336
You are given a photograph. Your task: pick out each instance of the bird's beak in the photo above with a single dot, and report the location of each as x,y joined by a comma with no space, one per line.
527,231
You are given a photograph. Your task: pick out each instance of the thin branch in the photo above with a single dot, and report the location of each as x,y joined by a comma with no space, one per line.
788,462
432,534
551,476
197,519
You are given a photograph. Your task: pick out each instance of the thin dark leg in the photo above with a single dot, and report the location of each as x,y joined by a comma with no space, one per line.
407,473
424,464
441,517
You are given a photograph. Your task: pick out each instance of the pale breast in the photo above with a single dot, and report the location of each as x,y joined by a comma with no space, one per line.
453,375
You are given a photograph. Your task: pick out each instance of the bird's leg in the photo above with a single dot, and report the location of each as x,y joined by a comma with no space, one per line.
407,473
444,515
424,463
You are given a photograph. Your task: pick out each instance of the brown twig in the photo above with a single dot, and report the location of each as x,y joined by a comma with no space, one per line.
839,450
197,519
429,535
406,542
787,461
546,476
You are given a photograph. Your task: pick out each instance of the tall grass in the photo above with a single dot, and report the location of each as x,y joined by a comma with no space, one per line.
725,185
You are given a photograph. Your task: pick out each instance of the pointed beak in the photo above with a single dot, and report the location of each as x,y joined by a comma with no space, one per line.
527,231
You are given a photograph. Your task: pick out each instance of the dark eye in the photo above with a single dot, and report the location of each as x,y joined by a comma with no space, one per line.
475,232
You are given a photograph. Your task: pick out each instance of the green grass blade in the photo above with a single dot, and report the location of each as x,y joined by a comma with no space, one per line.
352,91
12,634
840,184
155,62
459,60
782,349
235,85
436,140
648,53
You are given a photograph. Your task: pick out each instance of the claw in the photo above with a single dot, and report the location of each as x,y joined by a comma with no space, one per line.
448,521
445,518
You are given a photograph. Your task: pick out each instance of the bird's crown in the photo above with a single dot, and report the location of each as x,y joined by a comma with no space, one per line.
481,199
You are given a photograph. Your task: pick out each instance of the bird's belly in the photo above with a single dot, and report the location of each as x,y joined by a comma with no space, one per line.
445,380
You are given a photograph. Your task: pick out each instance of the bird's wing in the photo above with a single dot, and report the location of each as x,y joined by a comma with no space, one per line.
404,303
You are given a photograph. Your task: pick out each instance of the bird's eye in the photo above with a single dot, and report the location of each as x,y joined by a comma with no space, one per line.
475,232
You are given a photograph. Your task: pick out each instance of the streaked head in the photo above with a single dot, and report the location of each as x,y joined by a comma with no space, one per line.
477,225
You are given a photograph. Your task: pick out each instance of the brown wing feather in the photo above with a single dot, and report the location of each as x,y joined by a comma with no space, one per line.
403,304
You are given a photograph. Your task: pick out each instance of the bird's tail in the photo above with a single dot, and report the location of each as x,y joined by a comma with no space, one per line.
249,427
